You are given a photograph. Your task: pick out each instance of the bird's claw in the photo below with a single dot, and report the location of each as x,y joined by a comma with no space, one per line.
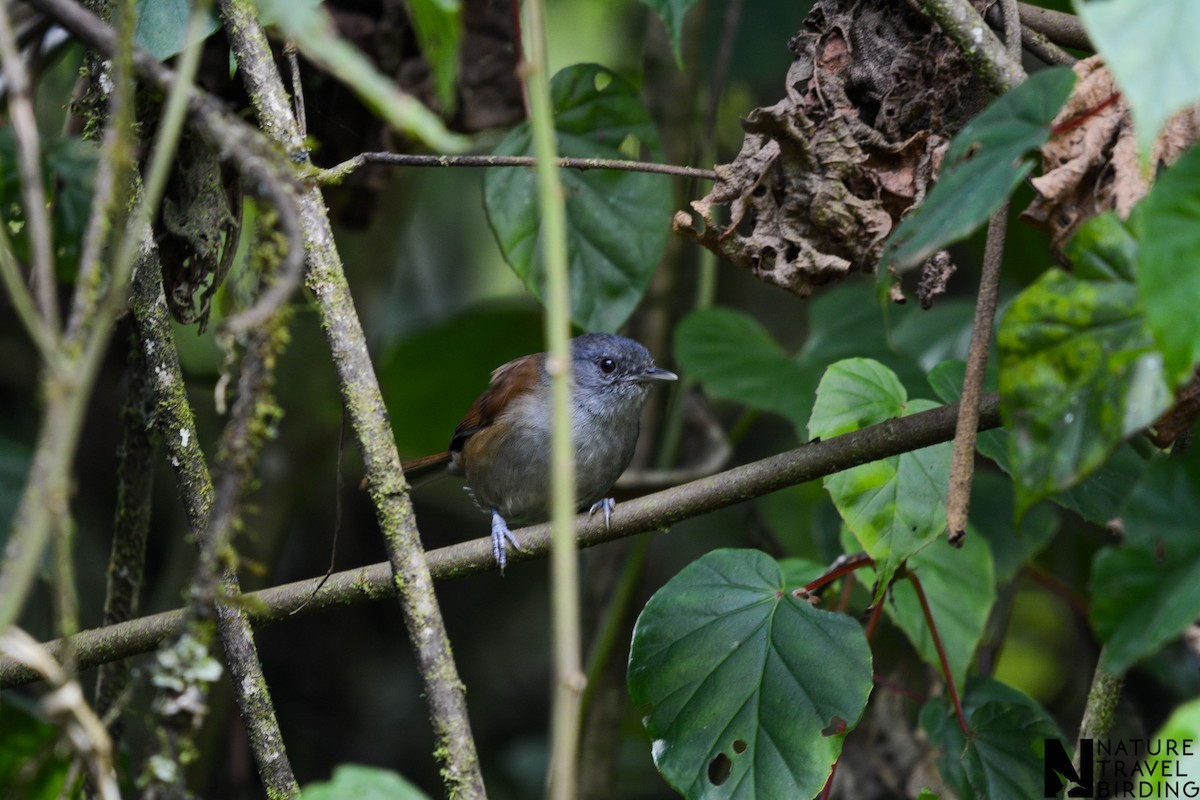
501,538
606,505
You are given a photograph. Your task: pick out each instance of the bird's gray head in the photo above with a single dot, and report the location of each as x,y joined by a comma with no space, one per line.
613,374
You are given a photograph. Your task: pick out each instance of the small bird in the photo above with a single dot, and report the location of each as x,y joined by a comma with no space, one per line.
502,445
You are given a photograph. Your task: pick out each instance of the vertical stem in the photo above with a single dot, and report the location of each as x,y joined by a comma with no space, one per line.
937,643
564,568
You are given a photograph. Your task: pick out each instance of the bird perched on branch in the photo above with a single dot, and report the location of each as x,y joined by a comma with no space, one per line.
502,445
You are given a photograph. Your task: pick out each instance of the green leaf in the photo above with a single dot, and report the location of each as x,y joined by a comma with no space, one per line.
672,13
1078,373
749,692
438,25
1098,498
1171,773
1002,756
897,505
316,37
162,26
617,221
736,359
1169,232
984,164
1147,592
960,587
361,782
1150,48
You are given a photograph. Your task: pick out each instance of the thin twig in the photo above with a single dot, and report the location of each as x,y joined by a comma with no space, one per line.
653,512
341,171
962,459
29,163
293,58
978,43
937,643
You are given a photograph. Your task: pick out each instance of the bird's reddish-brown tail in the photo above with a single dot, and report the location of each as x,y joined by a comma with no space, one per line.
425,468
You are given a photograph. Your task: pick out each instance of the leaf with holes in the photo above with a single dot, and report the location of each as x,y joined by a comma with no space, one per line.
1001,755
736,359
985,162
617,221
894,506
749,692
1147,592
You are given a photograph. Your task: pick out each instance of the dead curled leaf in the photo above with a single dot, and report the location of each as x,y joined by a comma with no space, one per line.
873,97
1090,164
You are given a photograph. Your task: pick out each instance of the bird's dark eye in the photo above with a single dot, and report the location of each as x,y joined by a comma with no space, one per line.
607,365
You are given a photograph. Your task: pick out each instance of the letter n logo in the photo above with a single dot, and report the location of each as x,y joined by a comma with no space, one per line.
1058,766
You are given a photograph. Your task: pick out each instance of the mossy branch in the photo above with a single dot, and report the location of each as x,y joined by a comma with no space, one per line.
650,513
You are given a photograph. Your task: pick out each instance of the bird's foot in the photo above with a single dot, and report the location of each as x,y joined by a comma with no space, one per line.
501,538
606,505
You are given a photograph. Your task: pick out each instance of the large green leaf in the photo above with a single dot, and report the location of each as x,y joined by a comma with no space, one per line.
894,506
1147,592
438,26
1002,755
1167,277
748,691
1078,373
1012,546
617,221
960,586
736,359
1151,49
985,162
362,782
672,13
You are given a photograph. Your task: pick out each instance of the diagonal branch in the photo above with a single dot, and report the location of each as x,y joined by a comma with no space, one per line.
979,43
650,513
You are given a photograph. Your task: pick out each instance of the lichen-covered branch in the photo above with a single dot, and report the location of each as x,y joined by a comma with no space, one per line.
444,691
650,513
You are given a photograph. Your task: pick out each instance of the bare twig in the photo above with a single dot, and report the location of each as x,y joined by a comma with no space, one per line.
962,460
341,171
988,56
29,162
650,513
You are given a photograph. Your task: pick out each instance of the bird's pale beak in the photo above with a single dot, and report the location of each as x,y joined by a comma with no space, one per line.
657,374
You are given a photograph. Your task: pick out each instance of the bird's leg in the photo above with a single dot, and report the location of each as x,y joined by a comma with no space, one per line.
606,505
501,538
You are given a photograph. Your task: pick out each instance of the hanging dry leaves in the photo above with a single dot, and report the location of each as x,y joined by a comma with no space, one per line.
873,97
1090,165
